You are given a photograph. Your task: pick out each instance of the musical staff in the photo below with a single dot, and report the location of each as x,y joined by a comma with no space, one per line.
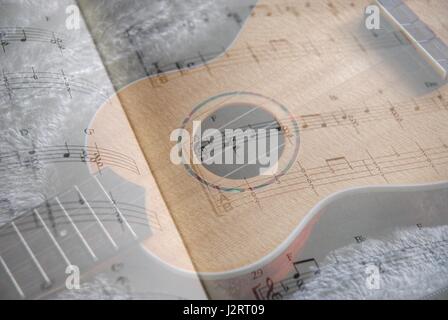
62,229
352,117
20,81
36,157
303,270
356,116
278,49
259,52
412,254
397,111
9,35
339,170
134,214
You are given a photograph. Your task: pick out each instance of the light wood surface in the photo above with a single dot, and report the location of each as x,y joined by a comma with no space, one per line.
112,130
370,112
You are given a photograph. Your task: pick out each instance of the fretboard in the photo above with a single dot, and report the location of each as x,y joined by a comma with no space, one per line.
83,226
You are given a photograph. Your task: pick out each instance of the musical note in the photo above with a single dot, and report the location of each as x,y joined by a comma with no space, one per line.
80,198
354,122
277,290
285,287
334,162
89,131
179,67
31,160
236,17
97,158
279,44
395,114
252,53
67,83
116,211
57,41
66,154
309,119
271,293
157,67
204,63
3,42
7,84
442,100
84,156
310,266
35,77
257,9
256,292
24,37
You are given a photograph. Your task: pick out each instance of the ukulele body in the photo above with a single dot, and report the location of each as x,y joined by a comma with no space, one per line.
356,106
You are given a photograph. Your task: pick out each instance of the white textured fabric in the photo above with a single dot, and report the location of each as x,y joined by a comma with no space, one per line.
413,264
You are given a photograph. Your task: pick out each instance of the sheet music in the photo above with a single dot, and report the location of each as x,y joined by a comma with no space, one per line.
53,81
53,87
396,250
138,39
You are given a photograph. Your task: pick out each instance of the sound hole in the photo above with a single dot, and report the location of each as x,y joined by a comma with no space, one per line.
244,153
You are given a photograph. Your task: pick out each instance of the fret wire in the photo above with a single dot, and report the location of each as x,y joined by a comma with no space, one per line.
30,252
77,230
13,279
42,219
97,219
67,261
116,208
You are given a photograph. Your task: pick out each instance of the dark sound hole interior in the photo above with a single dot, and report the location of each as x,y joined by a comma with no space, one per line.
250,119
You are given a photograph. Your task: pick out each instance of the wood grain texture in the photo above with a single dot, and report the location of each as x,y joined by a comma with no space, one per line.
112,130
370,112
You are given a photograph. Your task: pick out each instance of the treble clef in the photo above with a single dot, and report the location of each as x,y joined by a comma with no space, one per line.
271,294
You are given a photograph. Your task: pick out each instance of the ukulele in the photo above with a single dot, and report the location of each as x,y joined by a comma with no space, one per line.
351,107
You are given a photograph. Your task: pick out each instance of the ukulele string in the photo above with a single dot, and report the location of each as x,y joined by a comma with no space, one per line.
187,194
345,117
367,167
91,222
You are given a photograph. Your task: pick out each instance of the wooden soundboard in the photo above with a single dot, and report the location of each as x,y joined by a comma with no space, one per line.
363,108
